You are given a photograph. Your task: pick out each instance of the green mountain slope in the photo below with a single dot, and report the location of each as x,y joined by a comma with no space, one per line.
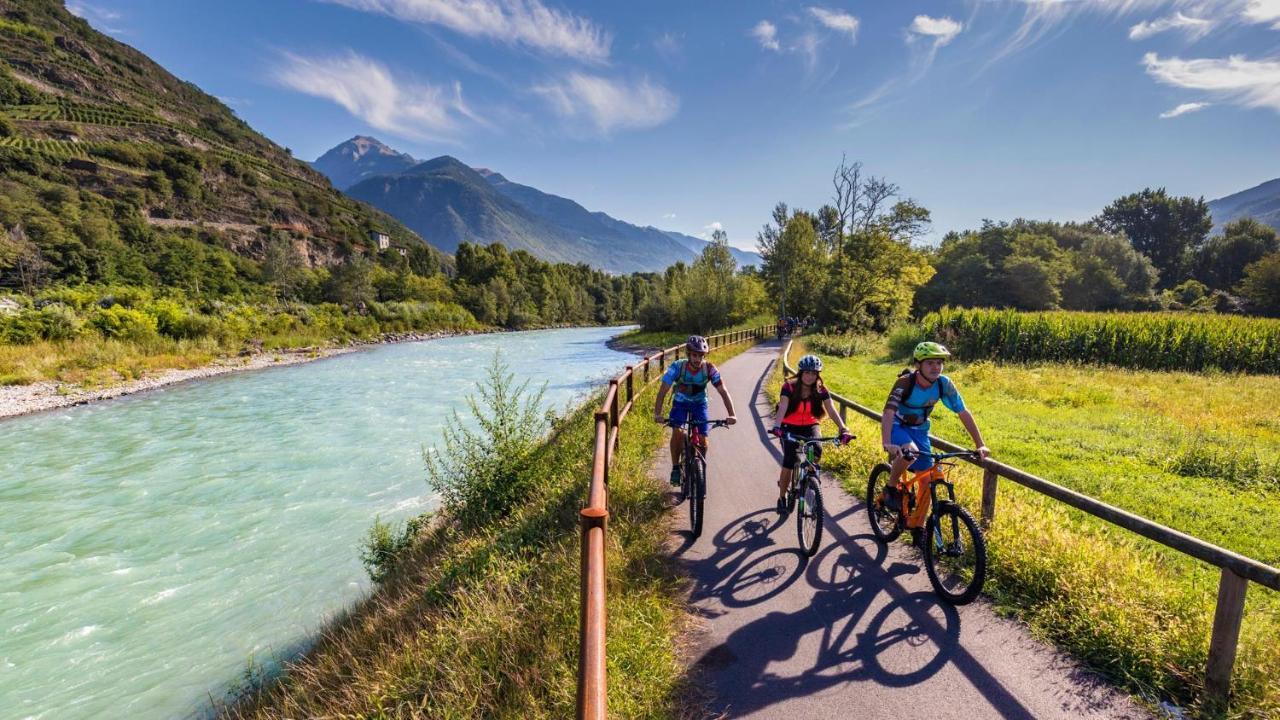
103,152
1262,203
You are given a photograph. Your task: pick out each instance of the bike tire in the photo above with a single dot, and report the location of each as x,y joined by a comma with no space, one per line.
697,494
949,572
885,522
809,515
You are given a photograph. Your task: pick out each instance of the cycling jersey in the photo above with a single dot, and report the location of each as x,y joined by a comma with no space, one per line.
802,412
914,412
691,387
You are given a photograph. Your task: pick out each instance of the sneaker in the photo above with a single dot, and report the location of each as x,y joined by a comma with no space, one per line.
892,498
675,475
917,537
782,506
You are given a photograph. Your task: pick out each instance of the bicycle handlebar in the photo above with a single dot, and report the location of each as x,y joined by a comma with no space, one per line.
910,454
813,441
711,423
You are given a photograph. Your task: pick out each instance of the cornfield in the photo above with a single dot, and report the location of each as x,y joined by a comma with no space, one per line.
1149,341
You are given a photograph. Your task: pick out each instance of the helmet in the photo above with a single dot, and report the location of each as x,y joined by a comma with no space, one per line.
810,362
930,351
697,343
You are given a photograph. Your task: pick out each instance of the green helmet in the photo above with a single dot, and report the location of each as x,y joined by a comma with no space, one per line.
930,351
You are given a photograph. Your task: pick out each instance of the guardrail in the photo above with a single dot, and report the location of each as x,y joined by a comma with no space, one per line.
1237,570
592,696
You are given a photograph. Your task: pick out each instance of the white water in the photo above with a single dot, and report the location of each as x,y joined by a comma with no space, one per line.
154,545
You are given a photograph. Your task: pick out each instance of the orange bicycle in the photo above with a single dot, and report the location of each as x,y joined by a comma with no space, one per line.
955,551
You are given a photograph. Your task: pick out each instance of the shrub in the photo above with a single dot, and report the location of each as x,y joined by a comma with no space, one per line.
124,323
59,322
383,544
904,338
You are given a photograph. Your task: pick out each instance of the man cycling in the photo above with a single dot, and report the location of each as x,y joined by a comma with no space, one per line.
690,378
904,425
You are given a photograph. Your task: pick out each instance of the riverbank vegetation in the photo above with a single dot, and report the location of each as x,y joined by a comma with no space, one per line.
476,614
1176,447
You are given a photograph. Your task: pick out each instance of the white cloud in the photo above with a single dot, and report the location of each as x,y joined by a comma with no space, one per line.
709,229
670,46
1183,109
87,11
1236,79
1263,11
1194,28
367,89
610,104
836,20
767,33
668,216
943,29
518,22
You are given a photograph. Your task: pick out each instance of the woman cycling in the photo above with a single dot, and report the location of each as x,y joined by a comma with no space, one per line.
804,402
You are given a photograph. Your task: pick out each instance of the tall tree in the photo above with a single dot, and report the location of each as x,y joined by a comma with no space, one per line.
1221,262
1164,228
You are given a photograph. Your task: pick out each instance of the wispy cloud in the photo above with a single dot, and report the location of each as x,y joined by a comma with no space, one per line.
1235,79
1263,11
668,216
518,22
942,29
923,36
1194,28
670,46
709,229
104,18
767,33
610,104
368,90
836,20
1183,109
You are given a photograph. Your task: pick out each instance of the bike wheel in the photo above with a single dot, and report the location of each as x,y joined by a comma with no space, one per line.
885,523
955,554
809,515
697,494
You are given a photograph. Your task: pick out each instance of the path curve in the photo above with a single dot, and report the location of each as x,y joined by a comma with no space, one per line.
856,632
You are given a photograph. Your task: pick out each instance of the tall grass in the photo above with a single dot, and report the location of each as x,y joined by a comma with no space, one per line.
1149,341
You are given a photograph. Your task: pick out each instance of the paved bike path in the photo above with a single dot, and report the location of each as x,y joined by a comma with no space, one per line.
856,631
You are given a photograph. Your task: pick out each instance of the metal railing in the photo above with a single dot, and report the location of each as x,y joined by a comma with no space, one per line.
592,695
1237,570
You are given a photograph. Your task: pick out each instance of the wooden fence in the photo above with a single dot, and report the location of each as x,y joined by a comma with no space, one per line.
1237,570
592,695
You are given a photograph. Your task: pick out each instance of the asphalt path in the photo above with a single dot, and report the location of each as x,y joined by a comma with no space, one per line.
856,631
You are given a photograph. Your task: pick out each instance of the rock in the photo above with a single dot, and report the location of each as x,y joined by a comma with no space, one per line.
9,306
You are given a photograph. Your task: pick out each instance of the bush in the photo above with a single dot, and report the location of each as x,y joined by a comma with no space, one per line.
904,338
124,323
384,543
59,322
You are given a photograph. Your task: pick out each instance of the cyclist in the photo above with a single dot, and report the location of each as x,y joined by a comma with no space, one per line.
803,403
690,378
904,426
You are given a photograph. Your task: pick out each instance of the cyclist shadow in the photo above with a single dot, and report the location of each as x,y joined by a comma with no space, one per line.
746,567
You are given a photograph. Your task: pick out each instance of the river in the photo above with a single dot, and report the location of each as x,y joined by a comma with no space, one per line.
156,546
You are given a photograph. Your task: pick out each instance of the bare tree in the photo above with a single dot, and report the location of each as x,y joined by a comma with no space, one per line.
21,259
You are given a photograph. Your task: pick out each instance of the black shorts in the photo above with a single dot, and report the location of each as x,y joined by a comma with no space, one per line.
791,450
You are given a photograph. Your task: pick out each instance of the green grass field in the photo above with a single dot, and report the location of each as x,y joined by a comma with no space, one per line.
1196,452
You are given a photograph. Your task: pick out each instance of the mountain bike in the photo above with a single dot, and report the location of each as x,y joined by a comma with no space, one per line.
804,498
955,550
693,469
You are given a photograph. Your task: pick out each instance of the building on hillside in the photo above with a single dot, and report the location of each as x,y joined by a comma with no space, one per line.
404,251
381,239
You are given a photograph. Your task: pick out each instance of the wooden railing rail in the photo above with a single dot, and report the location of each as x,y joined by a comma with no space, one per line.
617,403
1237,570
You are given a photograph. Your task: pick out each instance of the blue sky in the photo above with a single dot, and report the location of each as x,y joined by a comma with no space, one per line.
686,115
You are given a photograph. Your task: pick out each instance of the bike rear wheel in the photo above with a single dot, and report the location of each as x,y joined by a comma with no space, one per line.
809,514
885,521
697,494
955,554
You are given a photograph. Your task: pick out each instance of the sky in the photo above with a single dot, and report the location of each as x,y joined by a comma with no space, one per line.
694,116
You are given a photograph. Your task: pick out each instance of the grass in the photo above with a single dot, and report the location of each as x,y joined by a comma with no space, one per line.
483,622
661,339
1174,447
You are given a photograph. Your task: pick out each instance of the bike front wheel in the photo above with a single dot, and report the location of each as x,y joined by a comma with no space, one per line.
809,515
885,523
955,554
697,494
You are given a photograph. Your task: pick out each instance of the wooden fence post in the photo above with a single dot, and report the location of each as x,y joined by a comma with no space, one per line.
844,412
1226,634
989,483
631,392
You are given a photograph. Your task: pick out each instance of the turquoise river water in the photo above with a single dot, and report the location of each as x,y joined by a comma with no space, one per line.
156,545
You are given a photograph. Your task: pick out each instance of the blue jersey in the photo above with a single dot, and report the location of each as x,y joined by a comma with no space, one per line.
691,387
914,412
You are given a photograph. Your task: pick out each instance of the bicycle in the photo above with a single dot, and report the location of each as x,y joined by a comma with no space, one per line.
957,566
805,495
693,469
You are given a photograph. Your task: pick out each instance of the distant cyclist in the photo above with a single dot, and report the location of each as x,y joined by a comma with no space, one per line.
905,422
690,378
804,402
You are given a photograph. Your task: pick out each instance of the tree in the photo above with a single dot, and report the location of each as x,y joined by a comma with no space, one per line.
22,265
283,268
1261,286
1221,262
1166,229
351,283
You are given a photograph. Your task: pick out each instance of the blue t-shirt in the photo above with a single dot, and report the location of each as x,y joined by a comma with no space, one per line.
691,387
942,390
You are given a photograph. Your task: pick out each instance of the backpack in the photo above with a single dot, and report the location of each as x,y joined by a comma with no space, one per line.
688,388
910,376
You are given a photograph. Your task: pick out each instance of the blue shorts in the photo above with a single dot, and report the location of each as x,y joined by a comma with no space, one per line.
903,435
696,412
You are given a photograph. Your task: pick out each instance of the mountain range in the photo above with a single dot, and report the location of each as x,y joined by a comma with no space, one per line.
1262,203
448,202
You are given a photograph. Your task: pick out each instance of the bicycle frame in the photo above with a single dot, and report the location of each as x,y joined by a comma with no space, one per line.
925,484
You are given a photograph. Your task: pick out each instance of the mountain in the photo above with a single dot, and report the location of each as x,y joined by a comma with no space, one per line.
359,158
93,125
1262,203
447,202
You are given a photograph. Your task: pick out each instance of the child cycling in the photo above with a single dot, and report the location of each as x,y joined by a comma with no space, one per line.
803,404
690,378
904,425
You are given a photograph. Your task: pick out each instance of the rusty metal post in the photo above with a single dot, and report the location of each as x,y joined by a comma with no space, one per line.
1226,634
613,405
990,482
592,699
